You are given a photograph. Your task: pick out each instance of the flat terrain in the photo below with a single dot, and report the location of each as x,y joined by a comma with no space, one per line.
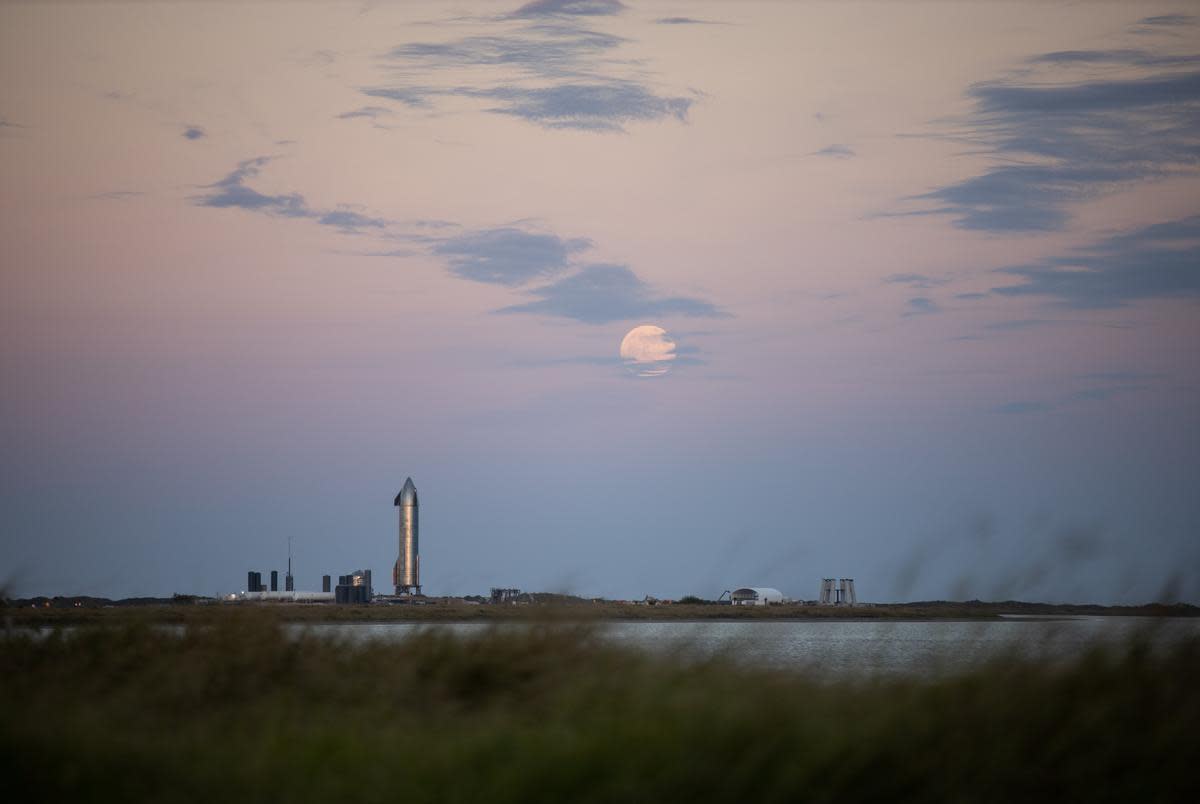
91,610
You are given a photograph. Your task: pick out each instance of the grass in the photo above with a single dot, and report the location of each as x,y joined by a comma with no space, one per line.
236,710
452,610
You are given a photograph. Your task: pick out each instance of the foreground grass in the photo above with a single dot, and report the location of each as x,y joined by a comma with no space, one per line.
237,711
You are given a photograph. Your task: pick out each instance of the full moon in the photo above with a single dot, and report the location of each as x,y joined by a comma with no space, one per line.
647,351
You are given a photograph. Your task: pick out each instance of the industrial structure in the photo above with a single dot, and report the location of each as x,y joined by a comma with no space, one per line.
288,584
406,574
263,595
842,595
353,588
755,596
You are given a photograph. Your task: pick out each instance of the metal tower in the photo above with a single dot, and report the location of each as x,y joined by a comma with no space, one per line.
406,574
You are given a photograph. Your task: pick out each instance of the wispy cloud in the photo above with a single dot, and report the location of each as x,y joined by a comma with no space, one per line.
569,8
1140,58
512,256
921,306
1061,138
601,293
919,281
349,220
508,256
836,151
685,21
1170,20
1104,392
415,96
369,112
545,50
590,107
1019,324
1023,407
1158,261
234,192
1101,387
539,64
1131,376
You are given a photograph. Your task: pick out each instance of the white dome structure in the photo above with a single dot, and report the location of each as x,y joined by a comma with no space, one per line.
755,596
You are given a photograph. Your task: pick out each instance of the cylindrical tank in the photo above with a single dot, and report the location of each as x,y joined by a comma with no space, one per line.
407,572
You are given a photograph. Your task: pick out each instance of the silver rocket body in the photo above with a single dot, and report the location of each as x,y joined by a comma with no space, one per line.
407,572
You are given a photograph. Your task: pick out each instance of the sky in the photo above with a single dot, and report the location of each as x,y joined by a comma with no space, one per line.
927,277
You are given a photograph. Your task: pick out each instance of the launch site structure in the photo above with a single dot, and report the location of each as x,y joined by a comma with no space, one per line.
406,574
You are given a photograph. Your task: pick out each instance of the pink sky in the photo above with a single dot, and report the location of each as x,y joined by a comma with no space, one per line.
458,211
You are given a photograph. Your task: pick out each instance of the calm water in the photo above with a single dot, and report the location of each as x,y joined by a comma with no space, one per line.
854,647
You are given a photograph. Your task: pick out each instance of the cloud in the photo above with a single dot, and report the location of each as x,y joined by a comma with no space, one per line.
348,220
233,192
369,112
1021,324
1122,377
921,306
1159,261
1141,58
416,97
508,256
1022,407
684,21
539,64
1104,393
836,152
602,293
542,51
194,133
574,8
591,107
1168,19
915,281
970,296
1060,142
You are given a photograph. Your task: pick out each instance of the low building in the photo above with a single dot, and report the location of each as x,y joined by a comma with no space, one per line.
287,597
755,596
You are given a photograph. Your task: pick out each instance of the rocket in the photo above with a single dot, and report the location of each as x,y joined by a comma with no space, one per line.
406,574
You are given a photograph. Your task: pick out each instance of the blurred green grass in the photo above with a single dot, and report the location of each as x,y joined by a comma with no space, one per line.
237,710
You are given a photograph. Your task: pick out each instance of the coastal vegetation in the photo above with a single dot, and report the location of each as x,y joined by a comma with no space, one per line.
240,708
186,609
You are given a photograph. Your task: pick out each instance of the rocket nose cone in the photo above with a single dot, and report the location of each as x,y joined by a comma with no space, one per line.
407,495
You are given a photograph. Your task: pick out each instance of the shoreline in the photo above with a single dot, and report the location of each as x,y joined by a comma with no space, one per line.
457,612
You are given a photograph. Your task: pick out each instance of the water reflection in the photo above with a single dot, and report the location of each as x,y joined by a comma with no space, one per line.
833,647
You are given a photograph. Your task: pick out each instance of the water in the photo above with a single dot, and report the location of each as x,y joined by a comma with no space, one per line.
855,647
